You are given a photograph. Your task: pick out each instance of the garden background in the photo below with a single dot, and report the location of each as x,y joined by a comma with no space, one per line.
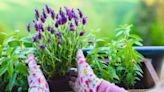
104,16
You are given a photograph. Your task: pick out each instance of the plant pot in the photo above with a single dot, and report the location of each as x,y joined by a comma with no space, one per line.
59,84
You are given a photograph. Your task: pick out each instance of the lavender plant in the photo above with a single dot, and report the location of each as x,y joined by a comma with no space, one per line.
58,35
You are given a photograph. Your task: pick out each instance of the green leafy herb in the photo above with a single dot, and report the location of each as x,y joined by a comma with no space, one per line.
13,70
118,62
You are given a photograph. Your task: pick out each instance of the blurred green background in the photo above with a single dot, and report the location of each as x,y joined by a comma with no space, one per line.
147,16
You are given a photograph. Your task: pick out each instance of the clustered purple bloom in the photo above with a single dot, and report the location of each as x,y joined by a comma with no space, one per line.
66,16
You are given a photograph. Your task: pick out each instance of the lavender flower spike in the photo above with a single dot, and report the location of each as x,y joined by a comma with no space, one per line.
47,8
58,34
52,13
56,24
81,33
49,40
84,20
44,14
42,47
42,19
49,28
80,13
59,42
71,27
52,31
41,27
76,21
39,35
67,10
36,14
34,39
36,26
28,27
62,14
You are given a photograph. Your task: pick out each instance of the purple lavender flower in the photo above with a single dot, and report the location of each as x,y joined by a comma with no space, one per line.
49,28
62,20
76,21
81,33
71,27
36,26
33,21
39,35
67,10
52,13
41,27
34,39
59,42
59,34
28,27
47,8
57,16
49,40
42,47
52,31
80,13
36,14
61,12
56,24
71,14
84,21
44,14
42,19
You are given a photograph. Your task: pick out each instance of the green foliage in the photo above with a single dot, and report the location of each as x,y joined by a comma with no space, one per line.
13,70
118,62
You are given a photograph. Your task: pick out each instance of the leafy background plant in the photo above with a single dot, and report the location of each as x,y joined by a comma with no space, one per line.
118,62
13,70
